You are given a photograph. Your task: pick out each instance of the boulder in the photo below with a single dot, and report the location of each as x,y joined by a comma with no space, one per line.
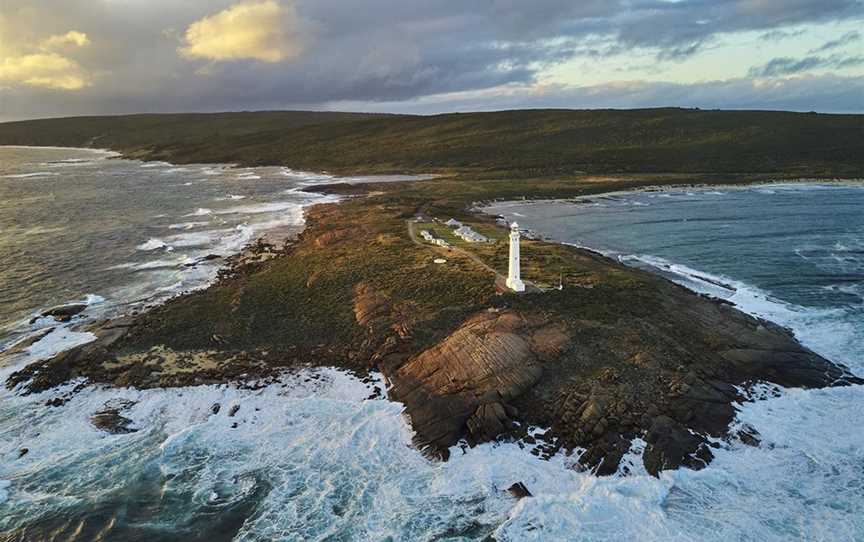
519,491
62,313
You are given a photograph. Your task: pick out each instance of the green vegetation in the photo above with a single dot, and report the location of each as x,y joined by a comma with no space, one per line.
507,144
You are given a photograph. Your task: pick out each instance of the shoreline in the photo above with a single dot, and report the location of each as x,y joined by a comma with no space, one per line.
359,312
696,280
21,335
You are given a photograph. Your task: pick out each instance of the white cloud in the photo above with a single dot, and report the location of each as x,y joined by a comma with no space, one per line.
45,68
69,38
262,30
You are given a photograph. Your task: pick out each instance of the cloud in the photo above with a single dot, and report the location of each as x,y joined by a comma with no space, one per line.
845,39
679,29
788,66
827,93
260,54
45,68
778,35
256,29
72,37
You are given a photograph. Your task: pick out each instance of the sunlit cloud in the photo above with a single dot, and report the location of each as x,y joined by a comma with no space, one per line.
72,37
254,30
46,68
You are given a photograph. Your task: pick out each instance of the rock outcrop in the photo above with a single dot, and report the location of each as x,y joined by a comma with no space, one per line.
464,385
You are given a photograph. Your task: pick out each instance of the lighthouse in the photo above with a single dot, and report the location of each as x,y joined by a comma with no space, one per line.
514,278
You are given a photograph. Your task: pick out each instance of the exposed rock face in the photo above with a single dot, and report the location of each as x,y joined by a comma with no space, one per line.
464,384
371,308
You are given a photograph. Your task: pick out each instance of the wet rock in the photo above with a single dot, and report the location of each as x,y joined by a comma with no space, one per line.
749,436
215,408
519,491
110,420
62,313
22,452
671,445
488,421
233,411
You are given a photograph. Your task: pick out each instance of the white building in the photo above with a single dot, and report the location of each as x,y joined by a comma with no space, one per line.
514,273
467,234
429,237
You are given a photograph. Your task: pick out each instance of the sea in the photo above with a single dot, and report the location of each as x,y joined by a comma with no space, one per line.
312,457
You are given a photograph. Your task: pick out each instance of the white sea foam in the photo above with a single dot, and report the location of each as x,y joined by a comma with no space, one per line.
153,244
146,266
201,211
827,331
336,462
60,339
187,225
231,197
271,207
32,175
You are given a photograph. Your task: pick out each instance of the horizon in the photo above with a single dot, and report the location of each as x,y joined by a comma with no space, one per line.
386,113
102,58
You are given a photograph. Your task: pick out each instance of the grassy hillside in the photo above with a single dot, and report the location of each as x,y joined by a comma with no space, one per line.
531,143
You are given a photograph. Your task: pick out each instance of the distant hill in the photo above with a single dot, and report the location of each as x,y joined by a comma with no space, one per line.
525,143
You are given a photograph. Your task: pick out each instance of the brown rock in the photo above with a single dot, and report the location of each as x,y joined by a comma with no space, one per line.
371,308
470,375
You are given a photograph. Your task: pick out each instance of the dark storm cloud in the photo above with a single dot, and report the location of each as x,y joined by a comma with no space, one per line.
681,29
371,50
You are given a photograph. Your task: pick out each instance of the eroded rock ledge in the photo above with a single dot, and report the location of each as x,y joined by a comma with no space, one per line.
618,354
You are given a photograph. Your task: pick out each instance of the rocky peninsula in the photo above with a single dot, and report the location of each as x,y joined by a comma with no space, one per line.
614,355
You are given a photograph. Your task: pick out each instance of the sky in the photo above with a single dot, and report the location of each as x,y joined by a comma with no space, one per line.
88,57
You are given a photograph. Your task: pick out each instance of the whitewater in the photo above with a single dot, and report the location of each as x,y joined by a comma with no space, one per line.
315,456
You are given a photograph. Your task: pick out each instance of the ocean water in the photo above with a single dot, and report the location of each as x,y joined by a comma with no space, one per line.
313,458
81,225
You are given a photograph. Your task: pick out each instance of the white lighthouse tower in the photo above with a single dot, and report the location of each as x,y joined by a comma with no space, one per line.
514,275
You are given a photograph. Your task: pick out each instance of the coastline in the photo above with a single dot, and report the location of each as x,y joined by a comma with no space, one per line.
273,233
376,328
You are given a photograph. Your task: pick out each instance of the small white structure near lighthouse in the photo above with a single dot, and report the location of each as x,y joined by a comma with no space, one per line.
514,275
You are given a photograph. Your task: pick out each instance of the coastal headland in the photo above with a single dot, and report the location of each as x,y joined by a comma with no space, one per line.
614,355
